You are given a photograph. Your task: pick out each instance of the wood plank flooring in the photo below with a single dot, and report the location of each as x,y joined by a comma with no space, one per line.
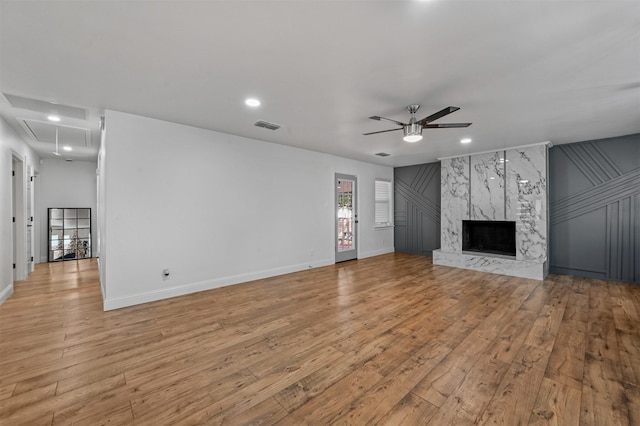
389,340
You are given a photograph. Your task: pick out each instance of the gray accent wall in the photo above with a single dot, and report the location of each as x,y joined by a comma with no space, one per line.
417,208
594,194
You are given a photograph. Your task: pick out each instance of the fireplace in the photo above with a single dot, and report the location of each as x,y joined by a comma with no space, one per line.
489,236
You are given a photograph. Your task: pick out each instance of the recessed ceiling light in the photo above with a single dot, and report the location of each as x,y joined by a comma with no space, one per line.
252,102
465,140
67,148
53,118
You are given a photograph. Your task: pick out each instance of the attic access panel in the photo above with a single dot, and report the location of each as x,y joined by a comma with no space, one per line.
45,107
46,132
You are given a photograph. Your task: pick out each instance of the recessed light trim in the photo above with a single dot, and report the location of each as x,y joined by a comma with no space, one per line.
54,118
465,140
252,102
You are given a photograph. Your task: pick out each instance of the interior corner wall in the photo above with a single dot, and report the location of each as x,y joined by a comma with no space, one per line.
11,144
101,236
65,184
417,208
594,193
216,209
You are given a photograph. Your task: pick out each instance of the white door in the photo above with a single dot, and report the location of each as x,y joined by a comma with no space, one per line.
29,183
14,233
346,217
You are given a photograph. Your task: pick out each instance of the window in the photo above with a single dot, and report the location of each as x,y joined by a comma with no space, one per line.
383,203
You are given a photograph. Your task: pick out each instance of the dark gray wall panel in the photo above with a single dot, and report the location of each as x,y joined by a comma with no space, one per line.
594,193
417,208
568,234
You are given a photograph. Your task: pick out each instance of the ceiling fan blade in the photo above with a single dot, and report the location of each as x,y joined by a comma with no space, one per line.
446,125
433,117
382,131
378,118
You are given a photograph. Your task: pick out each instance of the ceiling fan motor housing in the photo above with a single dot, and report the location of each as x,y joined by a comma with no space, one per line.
412,128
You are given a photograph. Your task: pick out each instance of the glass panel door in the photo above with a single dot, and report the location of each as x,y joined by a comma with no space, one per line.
346,217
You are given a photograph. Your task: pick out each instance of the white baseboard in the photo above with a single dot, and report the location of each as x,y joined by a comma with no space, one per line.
6,293
136,299
376,253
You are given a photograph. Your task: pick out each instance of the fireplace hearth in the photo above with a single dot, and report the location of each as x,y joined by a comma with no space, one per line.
489,236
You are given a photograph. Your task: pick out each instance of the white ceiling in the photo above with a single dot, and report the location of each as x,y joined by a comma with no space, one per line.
521,71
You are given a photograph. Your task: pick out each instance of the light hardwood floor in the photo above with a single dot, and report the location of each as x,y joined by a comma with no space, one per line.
388,340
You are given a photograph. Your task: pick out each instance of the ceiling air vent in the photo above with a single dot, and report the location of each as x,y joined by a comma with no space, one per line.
382,154
267,125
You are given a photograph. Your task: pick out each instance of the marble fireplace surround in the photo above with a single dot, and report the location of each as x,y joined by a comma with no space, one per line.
500,185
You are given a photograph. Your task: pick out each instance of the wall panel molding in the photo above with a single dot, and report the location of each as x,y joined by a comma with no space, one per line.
598,196
425,205
417,208
595,230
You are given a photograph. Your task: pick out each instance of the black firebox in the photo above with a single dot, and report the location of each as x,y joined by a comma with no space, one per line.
489,236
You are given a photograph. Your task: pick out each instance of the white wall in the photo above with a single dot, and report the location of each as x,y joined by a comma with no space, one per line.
217,209
101,238
12,145
65,184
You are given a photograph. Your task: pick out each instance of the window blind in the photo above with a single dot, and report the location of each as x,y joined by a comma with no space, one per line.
383,203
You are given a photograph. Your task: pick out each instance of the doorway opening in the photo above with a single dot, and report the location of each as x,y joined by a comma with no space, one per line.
346,218
18,232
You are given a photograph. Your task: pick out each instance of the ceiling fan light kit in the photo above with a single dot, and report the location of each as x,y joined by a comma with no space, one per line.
413,129
412,133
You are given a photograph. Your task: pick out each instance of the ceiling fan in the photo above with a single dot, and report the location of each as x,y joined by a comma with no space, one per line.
413,129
